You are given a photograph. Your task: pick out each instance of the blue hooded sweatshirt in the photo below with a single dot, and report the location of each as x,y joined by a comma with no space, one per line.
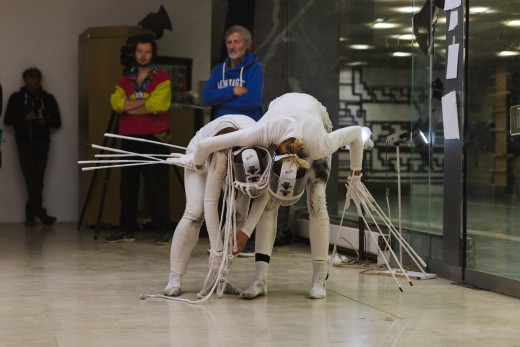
218,91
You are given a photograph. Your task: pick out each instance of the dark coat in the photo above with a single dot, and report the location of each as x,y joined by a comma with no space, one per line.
41,102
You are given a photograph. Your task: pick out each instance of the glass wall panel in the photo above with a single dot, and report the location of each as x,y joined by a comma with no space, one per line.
391,84
493,155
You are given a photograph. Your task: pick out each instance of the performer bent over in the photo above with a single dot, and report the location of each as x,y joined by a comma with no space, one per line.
291,121
203,190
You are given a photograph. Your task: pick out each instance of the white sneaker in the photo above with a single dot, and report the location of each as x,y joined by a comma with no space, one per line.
318,290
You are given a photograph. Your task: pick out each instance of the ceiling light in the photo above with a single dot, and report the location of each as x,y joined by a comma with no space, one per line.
513,23
401,54
384,25
343,39
508,53
406,37
357,63
477,10
361,47
408,9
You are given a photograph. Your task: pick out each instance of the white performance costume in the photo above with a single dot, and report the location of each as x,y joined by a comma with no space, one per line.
203,190
300,116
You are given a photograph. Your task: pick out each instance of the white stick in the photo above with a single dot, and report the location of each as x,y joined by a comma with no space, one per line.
395,233
126,152
382,254
112,161
386,241
122,165
398,164
389,224
406,246
143,140
415,257
126,155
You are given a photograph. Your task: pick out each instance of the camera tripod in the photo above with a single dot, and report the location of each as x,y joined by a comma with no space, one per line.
111,128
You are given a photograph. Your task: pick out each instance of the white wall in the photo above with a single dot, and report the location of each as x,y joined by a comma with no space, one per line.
45,34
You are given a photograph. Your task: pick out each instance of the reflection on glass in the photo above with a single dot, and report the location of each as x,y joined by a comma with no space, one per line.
395,86
493,159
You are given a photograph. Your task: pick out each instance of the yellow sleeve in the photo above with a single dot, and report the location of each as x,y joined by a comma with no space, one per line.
117,99
159,100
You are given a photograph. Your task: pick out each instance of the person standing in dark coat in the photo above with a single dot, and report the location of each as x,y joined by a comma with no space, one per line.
32,111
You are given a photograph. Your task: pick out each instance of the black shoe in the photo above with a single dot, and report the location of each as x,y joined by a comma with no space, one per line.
46,219
121,236
165,238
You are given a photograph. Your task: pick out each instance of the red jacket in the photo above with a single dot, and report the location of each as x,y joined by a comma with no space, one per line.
157,93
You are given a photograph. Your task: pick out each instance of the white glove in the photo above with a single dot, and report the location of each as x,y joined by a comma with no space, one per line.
357,192
366,134
184,160
368,144
177,155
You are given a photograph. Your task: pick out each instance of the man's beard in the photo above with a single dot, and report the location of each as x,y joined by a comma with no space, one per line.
147,64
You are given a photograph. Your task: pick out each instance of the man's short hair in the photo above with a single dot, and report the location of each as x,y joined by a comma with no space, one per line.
32,72
239,29
146,39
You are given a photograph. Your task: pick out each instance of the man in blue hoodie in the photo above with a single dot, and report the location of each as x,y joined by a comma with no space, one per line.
237,85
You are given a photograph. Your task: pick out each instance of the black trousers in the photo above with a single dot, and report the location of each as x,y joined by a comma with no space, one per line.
156,180
33,161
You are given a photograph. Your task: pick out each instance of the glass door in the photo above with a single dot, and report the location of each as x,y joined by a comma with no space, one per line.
493,152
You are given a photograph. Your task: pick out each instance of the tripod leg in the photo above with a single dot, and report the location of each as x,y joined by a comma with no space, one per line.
85,204
102,204
110,126
103,196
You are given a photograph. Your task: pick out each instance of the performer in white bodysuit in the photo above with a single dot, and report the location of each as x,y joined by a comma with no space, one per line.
203,190
291,117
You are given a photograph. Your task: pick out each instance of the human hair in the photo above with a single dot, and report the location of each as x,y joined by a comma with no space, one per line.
32,72
246,34
297,146
298,162
301,165
146,39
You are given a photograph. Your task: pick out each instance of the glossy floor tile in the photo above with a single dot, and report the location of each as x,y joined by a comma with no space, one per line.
59,287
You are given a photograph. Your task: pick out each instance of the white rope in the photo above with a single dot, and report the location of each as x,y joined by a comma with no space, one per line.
215,282
144,140
227,230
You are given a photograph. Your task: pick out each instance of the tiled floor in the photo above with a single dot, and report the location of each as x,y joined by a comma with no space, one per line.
59,287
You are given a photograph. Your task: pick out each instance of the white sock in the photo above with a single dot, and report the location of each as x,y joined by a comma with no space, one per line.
259,286
319,274
173,288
